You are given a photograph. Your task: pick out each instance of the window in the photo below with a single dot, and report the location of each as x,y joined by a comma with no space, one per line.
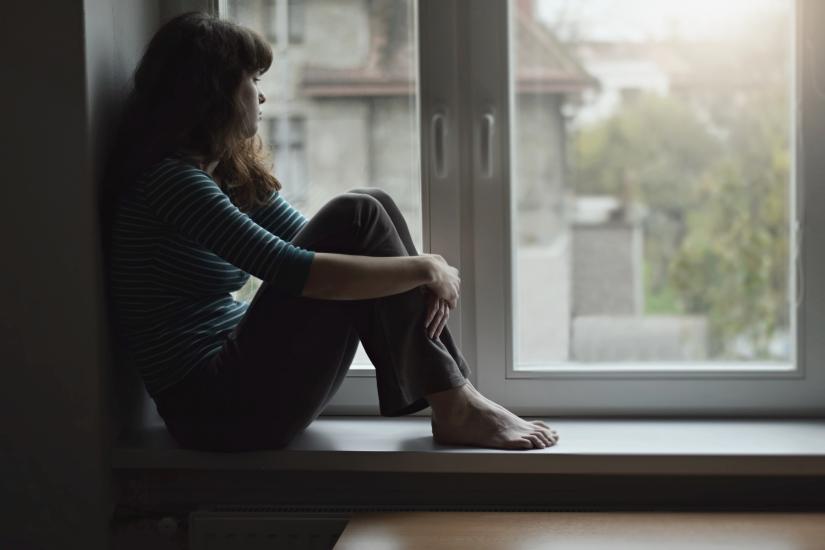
662,205
273,17
616,181
648,246
286,137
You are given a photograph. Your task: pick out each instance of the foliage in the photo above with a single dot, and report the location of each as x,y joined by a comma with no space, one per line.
734,261
713,179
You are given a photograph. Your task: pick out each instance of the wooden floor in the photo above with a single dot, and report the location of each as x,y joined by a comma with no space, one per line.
579,531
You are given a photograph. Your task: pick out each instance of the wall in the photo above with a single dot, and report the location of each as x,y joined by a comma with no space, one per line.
66,66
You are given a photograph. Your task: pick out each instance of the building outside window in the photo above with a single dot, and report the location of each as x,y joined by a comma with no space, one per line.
286,137
277,11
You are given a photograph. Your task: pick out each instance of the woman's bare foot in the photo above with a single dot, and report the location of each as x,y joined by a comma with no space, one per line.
462,416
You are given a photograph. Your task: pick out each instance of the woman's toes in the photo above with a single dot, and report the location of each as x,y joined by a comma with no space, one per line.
548,440
522,443
545,429
537,442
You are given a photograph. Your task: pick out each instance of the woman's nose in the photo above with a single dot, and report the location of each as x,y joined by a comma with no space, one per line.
261,97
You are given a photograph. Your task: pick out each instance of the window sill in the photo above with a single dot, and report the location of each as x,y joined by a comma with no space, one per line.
590,446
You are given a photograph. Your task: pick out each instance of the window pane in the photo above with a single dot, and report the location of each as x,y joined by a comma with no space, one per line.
651,180
341,109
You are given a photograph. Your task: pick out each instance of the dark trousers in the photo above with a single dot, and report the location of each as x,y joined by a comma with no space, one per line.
289,355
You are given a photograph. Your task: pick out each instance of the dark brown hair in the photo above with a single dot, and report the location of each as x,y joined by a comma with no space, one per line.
184,98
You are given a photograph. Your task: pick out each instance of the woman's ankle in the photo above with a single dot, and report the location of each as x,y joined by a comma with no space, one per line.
447,402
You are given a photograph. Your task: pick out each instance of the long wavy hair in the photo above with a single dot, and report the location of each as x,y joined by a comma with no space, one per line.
185,99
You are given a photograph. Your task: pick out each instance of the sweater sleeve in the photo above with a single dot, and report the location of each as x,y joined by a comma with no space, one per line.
279,217
189,200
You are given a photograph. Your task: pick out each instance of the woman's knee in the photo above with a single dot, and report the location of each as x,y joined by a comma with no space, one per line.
352,201
347,223
361,208
382,196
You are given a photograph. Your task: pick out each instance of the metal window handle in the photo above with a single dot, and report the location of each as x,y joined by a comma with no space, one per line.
488,127
438,143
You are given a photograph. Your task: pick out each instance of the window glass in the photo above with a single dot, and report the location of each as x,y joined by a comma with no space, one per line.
651,181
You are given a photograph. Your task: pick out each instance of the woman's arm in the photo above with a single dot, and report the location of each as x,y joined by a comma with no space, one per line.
349,277
279,217
190,201
345,277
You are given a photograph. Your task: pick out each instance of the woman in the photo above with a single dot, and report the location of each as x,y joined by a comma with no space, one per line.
194,211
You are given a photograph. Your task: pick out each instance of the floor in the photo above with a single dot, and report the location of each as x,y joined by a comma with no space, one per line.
580,531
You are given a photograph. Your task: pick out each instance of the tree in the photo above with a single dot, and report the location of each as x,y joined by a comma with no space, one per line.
733,263
716,192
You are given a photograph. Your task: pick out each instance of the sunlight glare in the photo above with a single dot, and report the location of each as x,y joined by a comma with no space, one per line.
658,19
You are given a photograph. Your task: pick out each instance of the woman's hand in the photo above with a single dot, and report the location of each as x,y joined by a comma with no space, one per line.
441,295
438,311
445,282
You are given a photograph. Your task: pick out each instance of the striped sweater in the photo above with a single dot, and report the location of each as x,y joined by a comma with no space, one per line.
179,247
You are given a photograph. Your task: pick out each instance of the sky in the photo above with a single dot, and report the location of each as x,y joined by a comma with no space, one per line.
641,20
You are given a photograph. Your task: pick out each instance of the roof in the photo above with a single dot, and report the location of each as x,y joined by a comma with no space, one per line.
545,65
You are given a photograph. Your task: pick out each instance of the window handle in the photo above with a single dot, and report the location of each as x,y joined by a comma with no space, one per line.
488,127
438,144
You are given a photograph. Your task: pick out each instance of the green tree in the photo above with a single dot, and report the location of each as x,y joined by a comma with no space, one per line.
714,183
733,263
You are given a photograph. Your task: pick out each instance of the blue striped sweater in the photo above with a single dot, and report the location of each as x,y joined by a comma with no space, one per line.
179,247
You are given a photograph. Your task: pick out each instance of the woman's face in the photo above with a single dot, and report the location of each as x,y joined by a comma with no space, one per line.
251,99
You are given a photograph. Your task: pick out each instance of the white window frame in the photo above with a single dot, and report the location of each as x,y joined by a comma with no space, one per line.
705,389
465,55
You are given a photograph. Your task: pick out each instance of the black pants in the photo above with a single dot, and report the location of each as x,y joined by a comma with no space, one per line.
289,355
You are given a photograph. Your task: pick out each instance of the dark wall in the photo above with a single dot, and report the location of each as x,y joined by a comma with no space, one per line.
65,66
